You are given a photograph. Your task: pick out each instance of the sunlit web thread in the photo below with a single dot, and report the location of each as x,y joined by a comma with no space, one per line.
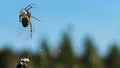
24,36
24,32
20,29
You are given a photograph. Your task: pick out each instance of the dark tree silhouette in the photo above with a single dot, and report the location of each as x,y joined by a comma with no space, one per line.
91,58
113,58
66,56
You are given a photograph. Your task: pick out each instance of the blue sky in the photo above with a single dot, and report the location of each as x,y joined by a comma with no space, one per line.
98,18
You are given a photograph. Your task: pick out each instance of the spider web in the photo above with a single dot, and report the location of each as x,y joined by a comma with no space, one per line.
24,33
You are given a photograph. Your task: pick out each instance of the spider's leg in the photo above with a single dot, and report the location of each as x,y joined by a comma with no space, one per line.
30,30
36,18
22,14
30,6
20,18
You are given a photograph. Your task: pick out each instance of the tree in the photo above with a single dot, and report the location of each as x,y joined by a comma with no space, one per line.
7,58
91,58
66,56
44,55
113,58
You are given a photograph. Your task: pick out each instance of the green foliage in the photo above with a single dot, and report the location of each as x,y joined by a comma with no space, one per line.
113,59
66,55
7,58
63,59
91,58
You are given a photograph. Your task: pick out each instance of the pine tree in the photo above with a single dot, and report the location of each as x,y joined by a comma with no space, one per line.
66,56
113,59
91,58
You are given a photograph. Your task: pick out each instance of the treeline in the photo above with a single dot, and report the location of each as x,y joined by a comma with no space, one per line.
64,58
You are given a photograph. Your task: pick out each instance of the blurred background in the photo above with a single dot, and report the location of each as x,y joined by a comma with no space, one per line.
71,34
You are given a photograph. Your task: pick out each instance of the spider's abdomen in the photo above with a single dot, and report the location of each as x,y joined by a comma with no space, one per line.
25,22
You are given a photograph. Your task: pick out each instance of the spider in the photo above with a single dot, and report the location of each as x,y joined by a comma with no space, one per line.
25,17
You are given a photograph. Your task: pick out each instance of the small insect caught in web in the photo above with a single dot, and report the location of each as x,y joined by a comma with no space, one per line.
25,17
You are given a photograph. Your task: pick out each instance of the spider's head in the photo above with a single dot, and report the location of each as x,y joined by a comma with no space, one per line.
28,14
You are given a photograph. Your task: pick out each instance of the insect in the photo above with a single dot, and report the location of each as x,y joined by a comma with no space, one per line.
25,17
